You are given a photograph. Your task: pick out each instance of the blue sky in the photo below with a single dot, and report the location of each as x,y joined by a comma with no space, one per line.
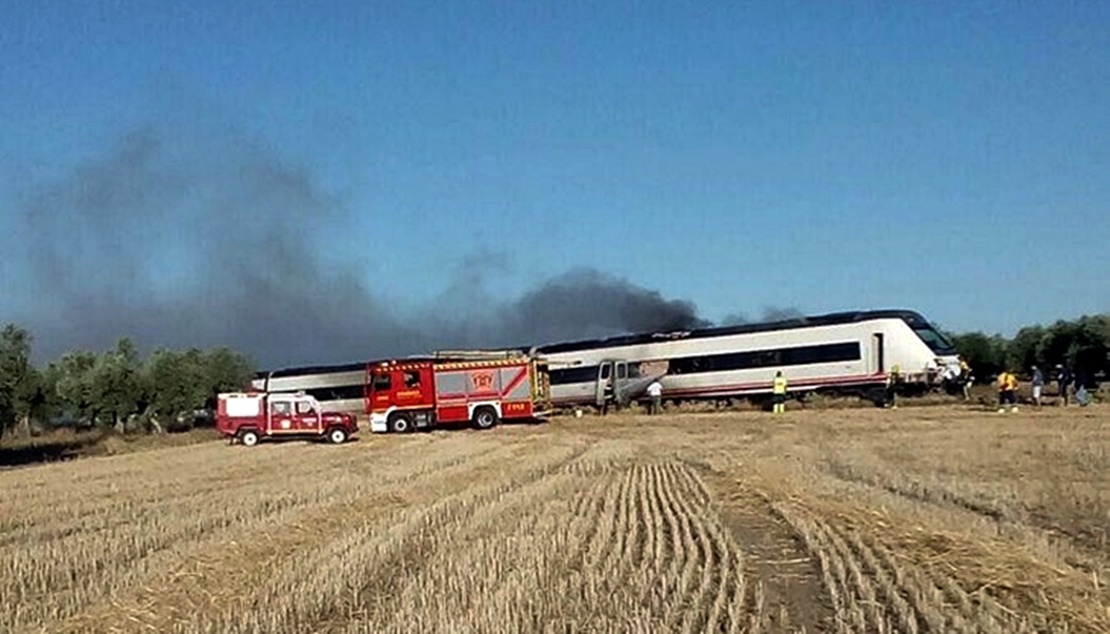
952,157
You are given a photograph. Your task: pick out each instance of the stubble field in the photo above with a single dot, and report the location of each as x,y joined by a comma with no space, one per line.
939,519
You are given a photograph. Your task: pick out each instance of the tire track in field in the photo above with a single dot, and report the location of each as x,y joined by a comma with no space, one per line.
792,585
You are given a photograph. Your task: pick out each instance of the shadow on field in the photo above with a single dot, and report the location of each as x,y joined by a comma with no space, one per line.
60,445
49,449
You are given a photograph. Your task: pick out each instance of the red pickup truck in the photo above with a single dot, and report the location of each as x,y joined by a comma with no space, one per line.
251,416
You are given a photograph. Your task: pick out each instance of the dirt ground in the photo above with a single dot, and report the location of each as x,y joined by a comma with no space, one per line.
937,519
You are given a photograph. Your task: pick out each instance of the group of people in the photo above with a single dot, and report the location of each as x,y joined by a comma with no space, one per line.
778,400
1008,384
956,373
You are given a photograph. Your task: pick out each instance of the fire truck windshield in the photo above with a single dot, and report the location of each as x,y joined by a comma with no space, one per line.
381,383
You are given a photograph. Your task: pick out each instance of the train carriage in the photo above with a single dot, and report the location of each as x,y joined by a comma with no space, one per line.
338,388
850,353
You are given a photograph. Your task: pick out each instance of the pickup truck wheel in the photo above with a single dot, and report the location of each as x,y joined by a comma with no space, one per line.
337,435
400,424
485,418
249,438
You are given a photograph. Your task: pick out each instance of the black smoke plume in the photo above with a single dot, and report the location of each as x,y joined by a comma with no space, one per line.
769,314
232,229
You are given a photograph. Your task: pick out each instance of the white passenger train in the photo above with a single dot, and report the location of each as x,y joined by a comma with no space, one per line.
848,353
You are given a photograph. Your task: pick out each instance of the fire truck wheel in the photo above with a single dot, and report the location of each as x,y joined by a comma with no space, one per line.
337,436
485,418
400,423
249,438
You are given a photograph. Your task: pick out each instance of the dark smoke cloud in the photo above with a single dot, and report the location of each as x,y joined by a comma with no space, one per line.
225,221
769,314
233,228
587,303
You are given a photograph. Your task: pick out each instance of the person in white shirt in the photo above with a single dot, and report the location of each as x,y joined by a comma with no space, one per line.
655,391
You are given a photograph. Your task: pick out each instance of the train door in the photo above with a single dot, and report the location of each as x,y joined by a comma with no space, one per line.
620,385
612,382
878,352
603,389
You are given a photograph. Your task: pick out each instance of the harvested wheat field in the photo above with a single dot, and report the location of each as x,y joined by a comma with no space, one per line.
938,519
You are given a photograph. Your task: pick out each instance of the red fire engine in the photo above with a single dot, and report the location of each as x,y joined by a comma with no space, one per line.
249,417
411,394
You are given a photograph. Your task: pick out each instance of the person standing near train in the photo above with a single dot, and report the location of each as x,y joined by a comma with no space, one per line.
655,391
1007,391
1038,385
965,378
778,393
893,379
1063,380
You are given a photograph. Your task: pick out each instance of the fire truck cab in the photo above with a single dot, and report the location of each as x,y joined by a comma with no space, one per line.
407,395
249,417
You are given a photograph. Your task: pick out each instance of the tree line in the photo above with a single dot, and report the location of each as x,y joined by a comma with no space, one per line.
1082,346
115,389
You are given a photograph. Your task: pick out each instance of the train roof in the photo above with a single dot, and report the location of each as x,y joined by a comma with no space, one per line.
314,369
831,319
914,319
452,357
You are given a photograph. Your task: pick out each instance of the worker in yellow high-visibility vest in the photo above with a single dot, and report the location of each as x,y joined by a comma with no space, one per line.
893,382
1007,391
779,393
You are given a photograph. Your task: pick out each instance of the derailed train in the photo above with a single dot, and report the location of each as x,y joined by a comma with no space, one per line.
846,353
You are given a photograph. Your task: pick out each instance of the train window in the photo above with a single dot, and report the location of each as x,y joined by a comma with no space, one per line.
605,369
829,353
348,392
936,341
803,355
338,393
381,383
622,371
562,376
681,366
